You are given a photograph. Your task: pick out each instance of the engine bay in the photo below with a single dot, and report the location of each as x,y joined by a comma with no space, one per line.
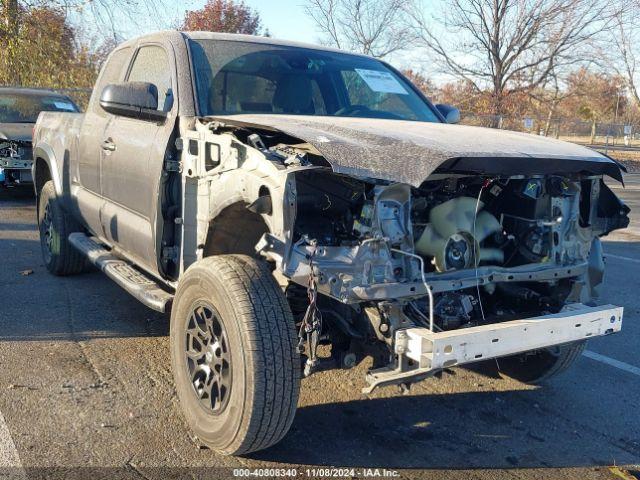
366,262
452,227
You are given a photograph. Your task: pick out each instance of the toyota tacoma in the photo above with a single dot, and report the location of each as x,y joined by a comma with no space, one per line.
298,208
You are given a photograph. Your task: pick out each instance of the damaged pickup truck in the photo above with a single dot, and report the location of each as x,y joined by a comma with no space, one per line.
19,109
299,209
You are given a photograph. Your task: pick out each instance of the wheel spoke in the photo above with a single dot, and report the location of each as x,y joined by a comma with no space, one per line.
195,356
195,341
208,357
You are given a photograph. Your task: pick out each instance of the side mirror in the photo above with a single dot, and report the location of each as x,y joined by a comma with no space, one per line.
450,114
132,99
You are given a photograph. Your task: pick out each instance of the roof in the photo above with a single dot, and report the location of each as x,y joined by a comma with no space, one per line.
234,37
174,36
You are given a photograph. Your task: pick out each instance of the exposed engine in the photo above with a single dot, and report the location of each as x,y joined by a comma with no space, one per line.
377,264
459,228
15,162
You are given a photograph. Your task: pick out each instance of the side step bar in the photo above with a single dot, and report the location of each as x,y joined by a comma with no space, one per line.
133,281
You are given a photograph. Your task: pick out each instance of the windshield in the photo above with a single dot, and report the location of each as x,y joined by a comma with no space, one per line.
24,108
236,77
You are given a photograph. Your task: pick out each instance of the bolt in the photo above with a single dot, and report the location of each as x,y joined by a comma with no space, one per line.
349,360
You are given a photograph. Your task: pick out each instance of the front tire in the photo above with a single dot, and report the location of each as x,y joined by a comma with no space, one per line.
55,226
537,367
234,356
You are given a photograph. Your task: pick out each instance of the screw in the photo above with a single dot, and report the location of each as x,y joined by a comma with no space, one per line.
349,360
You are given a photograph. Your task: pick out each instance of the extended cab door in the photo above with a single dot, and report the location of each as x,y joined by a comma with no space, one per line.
133,159
86,173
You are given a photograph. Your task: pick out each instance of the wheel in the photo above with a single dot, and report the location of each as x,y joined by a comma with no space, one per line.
55,226
234,354
537,367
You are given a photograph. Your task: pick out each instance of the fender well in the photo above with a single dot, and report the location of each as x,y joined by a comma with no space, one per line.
41,174
45,169
235,230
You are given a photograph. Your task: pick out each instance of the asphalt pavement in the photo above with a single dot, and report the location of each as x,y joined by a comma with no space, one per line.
86,392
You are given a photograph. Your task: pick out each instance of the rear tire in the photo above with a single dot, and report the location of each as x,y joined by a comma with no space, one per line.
234,357
537,367
55,226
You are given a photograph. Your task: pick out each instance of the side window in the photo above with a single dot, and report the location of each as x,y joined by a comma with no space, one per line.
152,65
111,73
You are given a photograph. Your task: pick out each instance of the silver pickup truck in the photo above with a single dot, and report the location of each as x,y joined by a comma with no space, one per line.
298,209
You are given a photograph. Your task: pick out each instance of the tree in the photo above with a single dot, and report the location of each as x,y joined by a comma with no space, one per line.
549,96
626,47
596,97
106,15
44,51
510,46
424,84
229,16
372,27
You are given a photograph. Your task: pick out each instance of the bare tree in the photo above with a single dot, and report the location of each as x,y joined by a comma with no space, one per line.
625,40
510,46
373,27
107,16
549,95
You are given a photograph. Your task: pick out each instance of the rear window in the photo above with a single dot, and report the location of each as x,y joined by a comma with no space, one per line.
23,108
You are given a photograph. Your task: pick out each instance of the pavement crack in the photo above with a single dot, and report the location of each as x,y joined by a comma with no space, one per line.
620,443
132,466
75,337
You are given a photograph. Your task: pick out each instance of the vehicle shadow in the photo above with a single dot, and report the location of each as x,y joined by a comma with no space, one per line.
38,306
512,429
22,193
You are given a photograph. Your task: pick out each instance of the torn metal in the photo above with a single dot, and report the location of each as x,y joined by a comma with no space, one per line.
394,235
409,152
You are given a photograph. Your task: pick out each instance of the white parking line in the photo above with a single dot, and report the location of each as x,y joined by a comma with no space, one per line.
612,362
10,465
618,257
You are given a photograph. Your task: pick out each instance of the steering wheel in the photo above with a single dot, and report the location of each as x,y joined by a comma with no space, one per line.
352,110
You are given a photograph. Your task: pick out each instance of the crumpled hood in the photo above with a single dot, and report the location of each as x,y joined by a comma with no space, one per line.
408,152
16,131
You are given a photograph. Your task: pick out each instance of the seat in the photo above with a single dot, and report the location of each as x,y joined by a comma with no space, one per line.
294,95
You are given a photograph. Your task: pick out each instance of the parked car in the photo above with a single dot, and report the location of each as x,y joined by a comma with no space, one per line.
275,197
19,109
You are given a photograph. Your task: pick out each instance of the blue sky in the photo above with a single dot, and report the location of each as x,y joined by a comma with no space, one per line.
285,19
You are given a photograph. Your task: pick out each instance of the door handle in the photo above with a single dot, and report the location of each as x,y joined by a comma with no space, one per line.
108,145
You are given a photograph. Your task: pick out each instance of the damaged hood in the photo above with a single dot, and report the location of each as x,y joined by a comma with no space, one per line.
16,131
408,152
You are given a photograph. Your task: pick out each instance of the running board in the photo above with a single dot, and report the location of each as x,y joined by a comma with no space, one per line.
133,281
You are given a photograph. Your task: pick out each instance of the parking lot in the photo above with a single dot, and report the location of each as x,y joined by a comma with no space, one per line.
86,391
